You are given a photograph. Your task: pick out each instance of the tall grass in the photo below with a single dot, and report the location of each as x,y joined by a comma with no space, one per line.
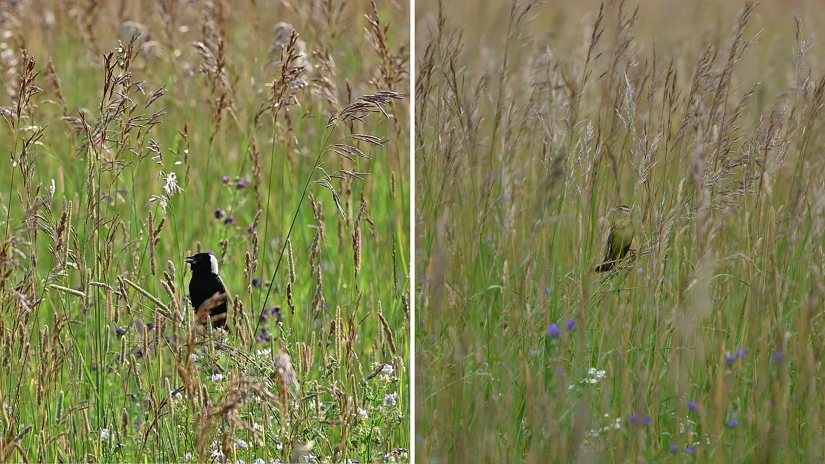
706,345
274,135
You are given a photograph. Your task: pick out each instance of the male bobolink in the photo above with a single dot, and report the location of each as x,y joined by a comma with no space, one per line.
205,283
618,242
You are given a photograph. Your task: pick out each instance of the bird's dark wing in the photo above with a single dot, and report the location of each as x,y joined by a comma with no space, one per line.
201,289
608,254
219,314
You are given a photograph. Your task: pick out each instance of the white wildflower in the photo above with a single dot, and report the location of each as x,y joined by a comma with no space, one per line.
171,186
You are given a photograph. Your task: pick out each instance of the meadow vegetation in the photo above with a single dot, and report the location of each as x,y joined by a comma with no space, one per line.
274,134
532,122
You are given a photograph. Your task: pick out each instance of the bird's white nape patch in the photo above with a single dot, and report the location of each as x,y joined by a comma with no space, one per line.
214,261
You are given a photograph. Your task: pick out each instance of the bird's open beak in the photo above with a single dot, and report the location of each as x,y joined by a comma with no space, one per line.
614,210
190,259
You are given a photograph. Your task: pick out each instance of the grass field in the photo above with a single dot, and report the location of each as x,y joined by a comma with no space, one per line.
138,133
532,122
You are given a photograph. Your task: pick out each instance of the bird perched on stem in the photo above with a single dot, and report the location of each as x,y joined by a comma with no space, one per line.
207,290
618,242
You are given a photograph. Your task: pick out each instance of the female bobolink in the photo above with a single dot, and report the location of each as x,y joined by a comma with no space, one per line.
618,242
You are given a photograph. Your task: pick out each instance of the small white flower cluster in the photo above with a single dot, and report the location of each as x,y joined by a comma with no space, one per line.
264,353
595,376
614,424
682,425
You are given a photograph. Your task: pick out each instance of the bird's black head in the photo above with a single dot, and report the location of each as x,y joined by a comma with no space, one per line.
203,263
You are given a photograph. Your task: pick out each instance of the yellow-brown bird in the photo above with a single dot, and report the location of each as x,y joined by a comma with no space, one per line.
618,242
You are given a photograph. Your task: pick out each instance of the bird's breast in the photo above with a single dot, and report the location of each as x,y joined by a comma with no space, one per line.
624,234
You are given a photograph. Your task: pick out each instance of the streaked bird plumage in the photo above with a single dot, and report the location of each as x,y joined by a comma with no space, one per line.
619,239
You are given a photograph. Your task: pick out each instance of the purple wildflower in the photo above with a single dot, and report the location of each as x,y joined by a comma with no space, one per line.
733,423
225,180
778,357
646,420
219,213
256,282
250,229
634,419
674,448
693,406
553,331
242,184
229,221
730,359
560,372
740,353
571,325
489,239
121,331
264,336
690,450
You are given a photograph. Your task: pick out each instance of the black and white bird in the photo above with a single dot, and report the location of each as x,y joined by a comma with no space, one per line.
205,283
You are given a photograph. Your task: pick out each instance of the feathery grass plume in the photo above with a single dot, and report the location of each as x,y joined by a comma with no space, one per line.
255,154
356,241
152,243
58,88
290,298
318,302
168,284
224,250
393,65
290,262
387,331
237,315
